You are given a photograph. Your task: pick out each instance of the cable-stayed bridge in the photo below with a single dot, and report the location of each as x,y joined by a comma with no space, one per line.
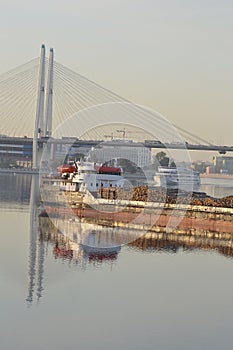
41,95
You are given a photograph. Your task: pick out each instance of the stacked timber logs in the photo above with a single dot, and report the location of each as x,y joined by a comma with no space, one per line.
108,193
140,193
226,202
137,193
161,195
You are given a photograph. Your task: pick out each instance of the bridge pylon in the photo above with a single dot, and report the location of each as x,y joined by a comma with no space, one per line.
43,120
49,97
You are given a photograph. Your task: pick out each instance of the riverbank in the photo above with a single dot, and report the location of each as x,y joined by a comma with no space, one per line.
19,171
217,176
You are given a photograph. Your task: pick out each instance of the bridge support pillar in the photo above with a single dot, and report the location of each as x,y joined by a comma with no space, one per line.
49,97
40,109
43,121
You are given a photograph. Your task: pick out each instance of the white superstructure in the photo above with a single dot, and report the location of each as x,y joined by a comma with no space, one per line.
184,178
92,177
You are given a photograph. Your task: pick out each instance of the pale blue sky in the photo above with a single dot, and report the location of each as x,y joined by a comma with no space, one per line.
174,56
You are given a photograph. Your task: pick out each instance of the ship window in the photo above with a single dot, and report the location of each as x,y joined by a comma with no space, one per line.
91,184
97,184
88,172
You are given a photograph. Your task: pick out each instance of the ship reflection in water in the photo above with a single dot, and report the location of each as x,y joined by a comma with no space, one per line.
85,244
63,234
156,241
65,247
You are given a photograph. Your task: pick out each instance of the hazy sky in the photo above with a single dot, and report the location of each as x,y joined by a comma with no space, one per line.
172,55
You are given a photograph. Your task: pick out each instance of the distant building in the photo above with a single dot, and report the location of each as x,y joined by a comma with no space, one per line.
24,163
223,164
16,148
201,166
139,155
63,150
210,169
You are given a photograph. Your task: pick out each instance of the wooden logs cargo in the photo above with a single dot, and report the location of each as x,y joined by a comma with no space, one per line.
161,195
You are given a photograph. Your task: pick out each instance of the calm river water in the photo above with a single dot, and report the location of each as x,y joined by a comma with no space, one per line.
162,297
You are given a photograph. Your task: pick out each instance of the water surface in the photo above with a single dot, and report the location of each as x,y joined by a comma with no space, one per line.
165,297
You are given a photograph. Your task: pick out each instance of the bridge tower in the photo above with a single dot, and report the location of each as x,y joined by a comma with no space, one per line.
43,120
39,108
49,97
